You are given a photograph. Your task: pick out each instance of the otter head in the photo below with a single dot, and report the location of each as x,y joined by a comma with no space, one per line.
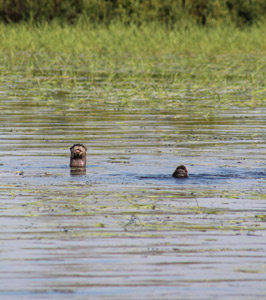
181,172
78,156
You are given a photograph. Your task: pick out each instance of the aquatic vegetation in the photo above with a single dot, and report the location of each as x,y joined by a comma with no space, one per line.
220,63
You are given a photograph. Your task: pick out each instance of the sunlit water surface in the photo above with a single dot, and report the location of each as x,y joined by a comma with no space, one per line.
126,229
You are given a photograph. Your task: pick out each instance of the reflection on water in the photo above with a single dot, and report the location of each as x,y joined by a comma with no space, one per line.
77,171
124,227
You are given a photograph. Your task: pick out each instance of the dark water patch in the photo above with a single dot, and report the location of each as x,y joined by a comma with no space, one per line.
35,169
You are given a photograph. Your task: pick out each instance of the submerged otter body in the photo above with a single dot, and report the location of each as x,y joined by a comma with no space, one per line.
180,172
78,156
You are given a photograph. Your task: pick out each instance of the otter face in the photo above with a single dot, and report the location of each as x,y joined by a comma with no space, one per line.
78,156
78,150
181,172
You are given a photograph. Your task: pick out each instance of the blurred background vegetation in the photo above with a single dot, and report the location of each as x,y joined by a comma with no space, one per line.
167,12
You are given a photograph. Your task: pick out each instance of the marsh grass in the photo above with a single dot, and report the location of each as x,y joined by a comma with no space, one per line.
145,59
126,44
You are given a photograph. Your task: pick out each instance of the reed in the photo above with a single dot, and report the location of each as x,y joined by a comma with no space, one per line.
145,56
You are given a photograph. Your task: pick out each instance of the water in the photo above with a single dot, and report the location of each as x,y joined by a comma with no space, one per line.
126,229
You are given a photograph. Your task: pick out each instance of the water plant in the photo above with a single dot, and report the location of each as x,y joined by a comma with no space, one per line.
195,61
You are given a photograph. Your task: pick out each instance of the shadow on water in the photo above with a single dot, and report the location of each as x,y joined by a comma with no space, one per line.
77,171
211,176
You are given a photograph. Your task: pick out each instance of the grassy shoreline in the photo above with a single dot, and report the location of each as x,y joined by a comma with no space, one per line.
149,55
133,42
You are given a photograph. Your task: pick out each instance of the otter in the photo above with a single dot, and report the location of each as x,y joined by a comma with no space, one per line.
180,172
78,156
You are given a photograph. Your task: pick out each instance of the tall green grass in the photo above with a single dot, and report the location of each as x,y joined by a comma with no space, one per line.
119,40
146,46
188,57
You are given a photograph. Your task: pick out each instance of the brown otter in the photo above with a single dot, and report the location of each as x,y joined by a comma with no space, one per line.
180,172
78,156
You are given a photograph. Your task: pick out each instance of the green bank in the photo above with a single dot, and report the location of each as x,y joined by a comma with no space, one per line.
221,59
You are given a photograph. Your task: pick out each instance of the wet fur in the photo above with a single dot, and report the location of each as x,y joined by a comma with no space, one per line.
180,172
78,156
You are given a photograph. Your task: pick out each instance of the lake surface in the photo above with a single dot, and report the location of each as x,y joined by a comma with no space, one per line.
126,229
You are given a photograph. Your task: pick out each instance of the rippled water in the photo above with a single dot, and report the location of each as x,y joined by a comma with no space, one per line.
127,229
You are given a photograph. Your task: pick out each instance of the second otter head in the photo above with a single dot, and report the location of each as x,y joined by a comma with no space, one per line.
181,172
78,156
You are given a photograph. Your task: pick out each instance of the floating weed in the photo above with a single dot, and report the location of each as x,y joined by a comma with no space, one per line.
258,196
176,226
133,222
251,271
13,195
144,206
100,225
207,211
261,217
